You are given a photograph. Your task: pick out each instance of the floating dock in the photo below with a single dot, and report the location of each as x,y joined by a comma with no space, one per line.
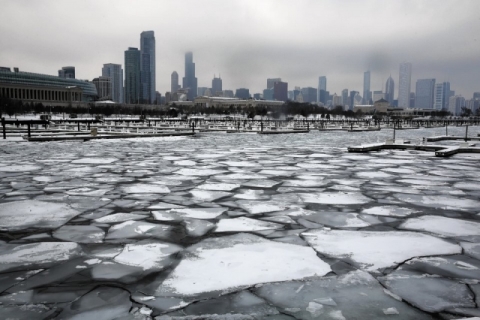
440,151
86,137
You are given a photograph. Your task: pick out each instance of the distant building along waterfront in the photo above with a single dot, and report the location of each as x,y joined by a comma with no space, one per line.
115,73
132,76
53,90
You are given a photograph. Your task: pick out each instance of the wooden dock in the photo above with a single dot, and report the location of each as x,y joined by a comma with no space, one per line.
440,151
445,138
282,131
88,137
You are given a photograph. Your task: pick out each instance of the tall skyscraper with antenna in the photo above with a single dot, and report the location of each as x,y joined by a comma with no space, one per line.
190,81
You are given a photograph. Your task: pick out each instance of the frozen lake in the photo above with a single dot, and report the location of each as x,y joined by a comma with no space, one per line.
239,226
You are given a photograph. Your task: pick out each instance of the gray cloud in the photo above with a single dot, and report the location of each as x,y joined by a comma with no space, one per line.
248,41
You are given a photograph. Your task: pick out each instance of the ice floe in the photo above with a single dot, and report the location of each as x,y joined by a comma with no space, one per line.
34,214
36,255
228,263
374,250
80,234
443,226
337,198
244,224
146,188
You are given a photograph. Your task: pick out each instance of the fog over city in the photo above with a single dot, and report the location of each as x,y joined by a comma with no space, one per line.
248,41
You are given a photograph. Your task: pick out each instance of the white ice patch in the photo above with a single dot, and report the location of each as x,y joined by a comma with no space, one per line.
148,255
243,224
226,263
38,254
207,196
26,214
339,198
373,175
94,160
391,211
447,227
199,213
443,201
120,217
373,250
257,207
146,188
20,168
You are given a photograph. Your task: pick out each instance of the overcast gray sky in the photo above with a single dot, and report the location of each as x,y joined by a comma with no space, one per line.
251,40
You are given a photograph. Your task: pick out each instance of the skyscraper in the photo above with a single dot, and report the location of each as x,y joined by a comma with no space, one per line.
404,79
322,89
389,90
309,94
190,81
271,82
174,83
104,88
242,93
424,93
216,85
67,72
442,95
147,66
345,97
132,75
367,94
280,91
115,73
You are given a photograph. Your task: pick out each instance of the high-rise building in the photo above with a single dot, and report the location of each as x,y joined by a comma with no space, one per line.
217,86
322,89
67,72
352,98
290,94
268,94
367,94
345,98
132,76
174,82
190,81
336,100
257,96
411,104
280,91
476,96
271,82
115,73
242,93
228,93
104,88
147,66
424,93
404,79
455,104
309,94
390,90
441,96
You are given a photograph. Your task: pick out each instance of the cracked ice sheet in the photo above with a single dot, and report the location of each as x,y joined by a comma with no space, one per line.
94,160
145,188
20,215
36,255
443,226
444,201
228,263
243,224
374,250
355,295
338,198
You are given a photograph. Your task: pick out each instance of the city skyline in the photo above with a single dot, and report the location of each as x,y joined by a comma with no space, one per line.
444,49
